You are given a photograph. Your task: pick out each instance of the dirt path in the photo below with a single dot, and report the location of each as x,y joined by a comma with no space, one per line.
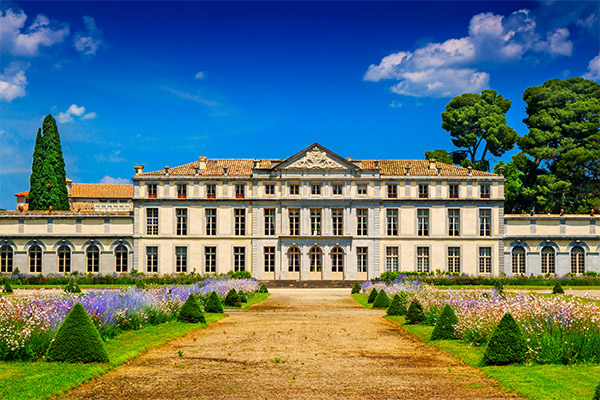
301,344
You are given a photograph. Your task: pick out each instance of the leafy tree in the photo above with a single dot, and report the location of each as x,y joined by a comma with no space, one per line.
440,155
561,151
477,124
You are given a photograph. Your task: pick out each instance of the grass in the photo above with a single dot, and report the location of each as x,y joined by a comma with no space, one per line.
552,381
516,287
252,299
43,380
362,299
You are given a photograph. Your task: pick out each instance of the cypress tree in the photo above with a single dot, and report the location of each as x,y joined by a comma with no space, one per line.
35,180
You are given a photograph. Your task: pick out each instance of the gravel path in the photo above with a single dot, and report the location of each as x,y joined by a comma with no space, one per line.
301,344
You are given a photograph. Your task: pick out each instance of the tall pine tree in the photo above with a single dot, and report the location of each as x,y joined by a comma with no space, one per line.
35,181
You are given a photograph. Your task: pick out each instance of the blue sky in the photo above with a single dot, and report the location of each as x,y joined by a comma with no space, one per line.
158,83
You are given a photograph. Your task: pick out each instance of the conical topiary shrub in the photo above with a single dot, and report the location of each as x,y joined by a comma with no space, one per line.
415,314
396,306
263,289
7,287
243,296
72,286
191,312
77,340
557,289
372,296
499,287
597,393
382,300
356,288
507,345
444,327
213,304
233,299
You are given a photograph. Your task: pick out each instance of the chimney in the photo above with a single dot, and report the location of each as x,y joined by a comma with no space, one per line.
470,170
377,164
256,164
166,170
202,163
196,168
138,169
407,170
225,170
439,171
432,164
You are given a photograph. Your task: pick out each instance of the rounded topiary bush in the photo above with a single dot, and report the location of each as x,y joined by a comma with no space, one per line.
243,296
499,287
263,289
415,314
77,340
233,299
507,345
191,312
7,287
597,393
72,286
356,288
372,296
444,327
382,300
557,289
396,307
213,304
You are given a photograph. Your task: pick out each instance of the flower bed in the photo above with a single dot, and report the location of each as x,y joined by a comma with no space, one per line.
558,329
28,324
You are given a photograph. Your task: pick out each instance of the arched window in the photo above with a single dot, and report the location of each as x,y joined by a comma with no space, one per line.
6,259
315,255
337,259
518,260
548,260
577,260
64,259
121,258
92,256
294,259
35,259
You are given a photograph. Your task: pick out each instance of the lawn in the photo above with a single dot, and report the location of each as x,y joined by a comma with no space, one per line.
552,381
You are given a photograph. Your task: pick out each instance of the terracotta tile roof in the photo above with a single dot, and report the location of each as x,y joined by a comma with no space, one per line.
243,167
97,191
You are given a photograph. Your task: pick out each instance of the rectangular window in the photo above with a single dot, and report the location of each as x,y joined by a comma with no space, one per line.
392,222
391,259
338,189
240,221
362,259
294,259
485,218
484,191
453,189
454,259
294,221
423,222
337,218
210,259
294,189
152,259
315,221
453,222
181,191
64,259
240,191
180,259
315,189
181,214
211,191
151,221
152,190
269,189
362,222
392,191
6,259
422,259
239,258
485,260
423,191
361,189
211,221
269,221
269,253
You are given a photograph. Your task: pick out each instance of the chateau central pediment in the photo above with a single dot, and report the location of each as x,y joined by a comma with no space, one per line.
316,157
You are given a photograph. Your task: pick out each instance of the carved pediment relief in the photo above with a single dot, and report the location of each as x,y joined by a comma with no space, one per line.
315,158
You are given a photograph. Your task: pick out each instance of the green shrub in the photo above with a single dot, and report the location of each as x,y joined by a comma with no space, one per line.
444,327
240,275
372,296
191,312
139,283
213,304
72,286
263,289
7,287
243,296
557,289
77,340
499,287
415,314
382,300
507,345
597,393
233,299
396,306
356,288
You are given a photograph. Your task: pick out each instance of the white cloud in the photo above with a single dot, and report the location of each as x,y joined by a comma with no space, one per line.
396,104
13,82
112,181
91,115
451,67
190,96
64,118
91,40
593,71
74,110
200,75
17,40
